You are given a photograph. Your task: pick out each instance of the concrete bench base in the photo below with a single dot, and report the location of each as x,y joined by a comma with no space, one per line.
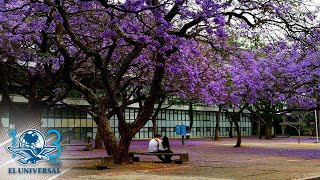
101,167
183,157
105,160
88,147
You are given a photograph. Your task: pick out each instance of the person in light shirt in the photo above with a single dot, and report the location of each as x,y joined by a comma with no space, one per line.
156,146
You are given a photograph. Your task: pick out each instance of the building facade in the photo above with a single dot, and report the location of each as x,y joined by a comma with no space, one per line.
74,124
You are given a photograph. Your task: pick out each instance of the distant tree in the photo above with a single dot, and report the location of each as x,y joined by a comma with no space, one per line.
297,120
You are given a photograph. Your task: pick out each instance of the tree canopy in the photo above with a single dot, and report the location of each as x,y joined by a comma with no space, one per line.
116,53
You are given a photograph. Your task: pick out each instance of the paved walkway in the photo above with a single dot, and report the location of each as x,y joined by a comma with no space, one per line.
280,158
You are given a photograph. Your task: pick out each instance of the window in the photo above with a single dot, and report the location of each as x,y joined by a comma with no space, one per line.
65,113
71,113
5,114
80,114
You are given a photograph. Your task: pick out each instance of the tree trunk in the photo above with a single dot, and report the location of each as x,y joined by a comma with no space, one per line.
238,134
108,137
190,111
268,132
318,117
155,115
120,151
121,156
259,129
217,127
155,126
128,130
231,130
98,143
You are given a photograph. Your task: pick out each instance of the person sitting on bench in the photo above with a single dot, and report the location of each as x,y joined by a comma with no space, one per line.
166,147
156,146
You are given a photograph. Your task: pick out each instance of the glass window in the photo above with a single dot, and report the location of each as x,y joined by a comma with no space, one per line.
83,114
83,122
5,114
64,122
77,114
94,124
77,129
57,112
57,122
5,122
87,115
89,122
127,114
71,113
64,113
89,134
77,136
50,122
44,122
71,123
77,123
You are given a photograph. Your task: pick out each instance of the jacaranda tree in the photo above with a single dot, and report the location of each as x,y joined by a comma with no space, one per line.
138,51
30,64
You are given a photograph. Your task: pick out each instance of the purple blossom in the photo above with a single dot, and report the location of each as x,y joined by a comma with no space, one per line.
209,31
220,20
220,32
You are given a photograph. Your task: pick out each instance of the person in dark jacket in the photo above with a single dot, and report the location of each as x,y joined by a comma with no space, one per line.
156,146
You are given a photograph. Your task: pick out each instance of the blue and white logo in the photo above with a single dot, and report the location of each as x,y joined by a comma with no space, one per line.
32,147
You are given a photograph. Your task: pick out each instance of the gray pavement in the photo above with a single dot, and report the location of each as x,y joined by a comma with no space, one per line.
280,158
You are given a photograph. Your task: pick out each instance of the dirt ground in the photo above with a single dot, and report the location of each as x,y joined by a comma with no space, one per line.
280,158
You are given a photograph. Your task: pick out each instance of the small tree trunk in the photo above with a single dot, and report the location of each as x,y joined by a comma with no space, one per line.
268,131
259,130
216,129
190,110
154,126
231,130
155,115
238,134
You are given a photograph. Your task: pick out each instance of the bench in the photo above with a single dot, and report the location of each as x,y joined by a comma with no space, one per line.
88,146
87,140
105,160
183,157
